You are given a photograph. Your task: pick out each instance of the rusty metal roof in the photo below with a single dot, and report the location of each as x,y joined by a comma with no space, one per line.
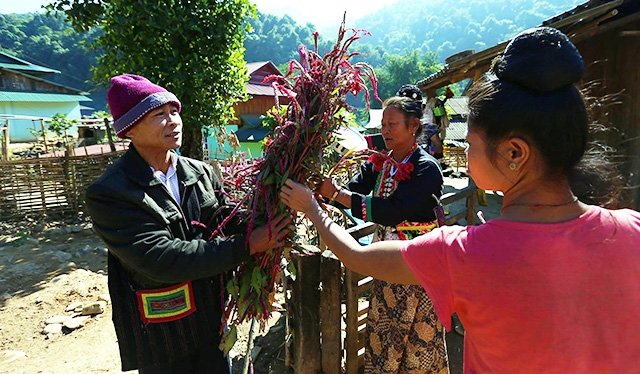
571,23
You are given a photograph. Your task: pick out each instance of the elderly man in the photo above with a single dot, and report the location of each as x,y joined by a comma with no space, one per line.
165,276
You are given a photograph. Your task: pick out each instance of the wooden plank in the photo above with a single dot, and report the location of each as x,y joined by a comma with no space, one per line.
351,340
451,197
330,313
362,230
304,308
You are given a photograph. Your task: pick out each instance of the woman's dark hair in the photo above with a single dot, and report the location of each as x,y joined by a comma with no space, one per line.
531,93
408,100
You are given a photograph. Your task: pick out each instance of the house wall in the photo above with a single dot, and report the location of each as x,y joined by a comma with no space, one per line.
612,59
16,82
19,129
257,105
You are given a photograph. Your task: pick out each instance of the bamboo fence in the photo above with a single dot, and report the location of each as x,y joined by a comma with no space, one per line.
50,187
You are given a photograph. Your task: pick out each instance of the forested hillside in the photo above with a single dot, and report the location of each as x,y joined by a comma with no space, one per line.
407,40
50,41
447,27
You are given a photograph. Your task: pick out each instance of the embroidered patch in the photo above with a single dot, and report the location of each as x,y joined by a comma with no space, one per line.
166,304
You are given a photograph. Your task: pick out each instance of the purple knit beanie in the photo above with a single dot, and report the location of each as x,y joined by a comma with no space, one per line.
131,96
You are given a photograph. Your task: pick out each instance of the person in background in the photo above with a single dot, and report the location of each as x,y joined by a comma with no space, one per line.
402,334
439,112
432,142
552,285
165,276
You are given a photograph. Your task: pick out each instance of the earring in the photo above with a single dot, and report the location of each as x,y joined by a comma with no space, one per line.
513,166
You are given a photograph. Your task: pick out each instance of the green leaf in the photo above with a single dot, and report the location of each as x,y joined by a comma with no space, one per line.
291,268
258,279
245,284
228,340
232,287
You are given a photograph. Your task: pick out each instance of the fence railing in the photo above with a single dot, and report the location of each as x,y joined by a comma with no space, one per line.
48,187
327,311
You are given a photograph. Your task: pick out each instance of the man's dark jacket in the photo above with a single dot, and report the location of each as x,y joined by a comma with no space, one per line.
154,245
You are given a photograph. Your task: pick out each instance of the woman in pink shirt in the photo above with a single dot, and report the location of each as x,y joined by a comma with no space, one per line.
553,284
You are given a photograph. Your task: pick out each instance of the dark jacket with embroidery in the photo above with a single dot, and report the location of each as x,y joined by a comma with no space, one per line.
413,198
153,245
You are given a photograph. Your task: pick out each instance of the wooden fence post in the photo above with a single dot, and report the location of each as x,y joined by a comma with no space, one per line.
5,142
331,313
109,136
44,135
303,312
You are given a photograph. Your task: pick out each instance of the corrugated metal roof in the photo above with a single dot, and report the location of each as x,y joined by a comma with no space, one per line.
260,90
458,105
571,23
456,130
29,67
13,62
6,96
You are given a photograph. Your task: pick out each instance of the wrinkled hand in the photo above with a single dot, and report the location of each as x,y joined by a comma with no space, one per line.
297,196
261,241
328,187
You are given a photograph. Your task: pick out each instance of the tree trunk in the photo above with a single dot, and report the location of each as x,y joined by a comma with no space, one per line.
192,141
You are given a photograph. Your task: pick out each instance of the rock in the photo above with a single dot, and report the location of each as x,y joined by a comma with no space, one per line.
56,319
33,242
73,229
61,256
38,300
71,265
59,278
83,251
75,322
95,308
52,328
73,306
5,296
105,297
7,356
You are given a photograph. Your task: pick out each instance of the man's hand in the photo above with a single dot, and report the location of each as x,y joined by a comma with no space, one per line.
261,241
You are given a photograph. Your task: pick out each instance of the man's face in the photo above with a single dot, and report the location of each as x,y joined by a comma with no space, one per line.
159,129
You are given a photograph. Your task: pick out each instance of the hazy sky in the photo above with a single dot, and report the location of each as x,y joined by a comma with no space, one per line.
324,14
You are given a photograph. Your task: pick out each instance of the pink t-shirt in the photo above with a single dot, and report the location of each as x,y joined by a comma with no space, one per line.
539,298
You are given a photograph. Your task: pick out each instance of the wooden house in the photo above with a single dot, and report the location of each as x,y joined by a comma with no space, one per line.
27,93
607,33
247,124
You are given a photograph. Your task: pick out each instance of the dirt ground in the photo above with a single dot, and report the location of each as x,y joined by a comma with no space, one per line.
46,268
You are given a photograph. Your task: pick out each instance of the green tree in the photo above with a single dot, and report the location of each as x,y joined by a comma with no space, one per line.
403,69
192,47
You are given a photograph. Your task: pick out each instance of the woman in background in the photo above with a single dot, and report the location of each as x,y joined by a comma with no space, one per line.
403,333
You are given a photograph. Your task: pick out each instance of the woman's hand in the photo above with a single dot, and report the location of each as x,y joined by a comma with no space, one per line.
297,197
261,241
328,187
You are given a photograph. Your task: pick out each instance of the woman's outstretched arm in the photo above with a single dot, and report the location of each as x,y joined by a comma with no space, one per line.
382,260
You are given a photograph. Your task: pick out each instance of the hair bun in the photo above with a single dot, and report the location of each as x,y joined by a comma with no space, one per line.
411,91
541,59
